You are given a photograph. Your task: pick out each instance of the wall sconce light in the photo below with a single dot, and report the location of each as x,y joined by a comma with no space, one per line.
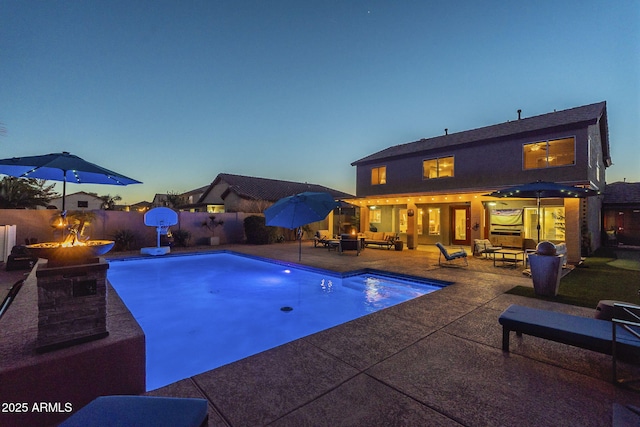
410,212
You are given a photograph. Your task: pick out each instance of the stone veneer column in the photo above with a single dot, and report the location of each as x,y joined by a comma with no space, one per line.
71,304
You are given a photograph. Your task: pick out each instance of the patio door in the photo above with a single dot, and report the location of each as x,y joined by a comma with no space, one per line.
460,225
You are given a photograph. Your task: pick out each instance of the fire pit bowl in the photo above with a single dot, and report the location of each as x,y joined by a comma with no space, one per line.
57,254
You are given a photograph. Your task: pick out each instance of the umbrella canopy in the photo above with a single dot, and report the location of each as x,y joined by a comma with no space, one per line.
543,190
298,210
62,167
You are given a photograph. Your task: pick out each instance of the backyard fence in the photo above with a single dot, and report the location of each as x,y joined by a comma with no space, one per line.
39,225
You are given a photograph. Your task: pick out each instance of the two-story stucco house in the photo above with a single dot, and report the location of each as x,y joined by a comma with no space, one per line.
435,189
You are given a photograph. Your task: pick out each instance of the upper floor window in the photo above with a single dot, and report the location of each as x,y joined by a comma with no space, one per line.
545,154
379,175
83,204
437,168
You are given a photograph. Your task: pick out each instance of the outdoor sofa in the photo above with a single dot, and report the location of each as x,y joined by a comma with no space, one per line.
379,238
619,338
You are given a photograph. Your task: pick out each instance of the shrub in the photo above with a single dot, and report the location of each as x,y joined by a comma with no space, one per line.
181,237
257,232
125,240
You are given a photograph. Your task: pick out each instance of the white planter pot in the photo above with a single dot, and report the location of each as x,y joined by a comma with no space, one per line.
214,241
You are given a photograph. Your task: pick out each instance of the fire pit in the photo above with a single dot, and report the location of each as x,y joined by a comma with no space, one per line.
77,253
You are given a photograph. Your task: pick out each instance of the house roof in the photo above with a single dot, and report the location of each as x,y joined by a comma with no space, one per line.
585,115
622,193
253,188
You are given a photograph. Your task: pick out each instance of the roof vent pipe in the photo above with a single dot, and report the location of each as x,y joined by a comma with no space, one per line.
446,131
519,112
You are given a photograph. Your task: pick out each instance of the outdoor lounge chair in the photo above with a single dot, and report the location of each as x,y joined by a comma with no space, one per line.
619,338
321,238
141,411
450,258
13,291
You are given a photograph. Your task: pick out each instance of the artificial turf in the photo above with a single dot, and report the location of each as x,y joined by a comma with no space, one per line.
594,280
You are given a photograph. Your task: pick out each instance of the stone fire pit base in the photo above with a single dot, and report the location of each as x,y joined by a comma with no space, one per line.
72,304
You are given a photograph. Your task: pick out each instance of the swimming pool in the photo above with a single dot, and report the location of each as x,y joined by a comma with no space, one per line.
199,312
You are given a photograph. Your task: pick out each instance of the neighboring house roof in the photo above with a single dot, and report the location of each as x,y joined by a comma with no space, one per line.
622,193
585,115
253,188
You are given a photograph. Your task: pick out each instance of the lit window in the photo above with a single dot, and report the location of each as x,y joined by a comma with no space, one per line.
544,154
379,175
552,223
437,168
434,221
375,215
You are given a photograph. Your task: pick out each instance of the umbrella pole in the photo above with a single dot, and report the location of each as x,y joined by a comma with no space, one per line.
64,189
538,219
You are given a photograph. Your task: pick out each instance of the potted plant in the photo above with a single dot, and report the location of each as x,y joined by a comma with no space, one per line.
211,224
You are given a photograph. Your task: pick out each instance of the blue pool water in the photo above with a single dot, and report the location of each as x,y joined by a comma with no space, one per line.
200,312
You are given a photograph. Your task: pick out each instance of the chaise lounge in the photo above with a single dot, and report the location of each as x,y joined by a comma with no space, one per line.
322,238
450,258
619,338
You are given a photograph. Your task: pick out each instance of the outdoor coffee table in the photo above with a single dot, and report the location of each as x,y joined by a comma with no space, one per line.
509,257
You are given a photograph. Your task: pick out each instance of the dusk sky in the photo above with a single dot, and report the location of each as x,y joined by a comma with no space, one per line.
172,93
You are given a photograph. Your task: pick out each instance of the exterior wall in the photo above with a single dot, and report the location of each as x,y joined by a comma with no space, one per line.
213,197
493,164
596,169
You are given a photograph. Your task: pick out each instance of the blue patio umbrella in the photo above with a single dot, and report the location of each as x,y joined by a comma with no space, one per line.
62,167
298,210
544,190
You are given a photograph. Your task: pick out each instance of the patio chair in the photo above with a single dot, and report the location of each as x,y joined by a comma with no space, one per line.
451,258
13,291
484,247
141,411
348,243
321,238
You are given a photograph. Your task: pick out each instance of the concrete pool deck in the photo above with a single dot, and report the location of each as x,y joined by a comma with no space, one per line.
435,360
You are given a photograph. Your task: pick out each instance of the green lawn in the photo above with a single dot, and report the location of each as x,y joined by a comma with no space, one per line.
593,281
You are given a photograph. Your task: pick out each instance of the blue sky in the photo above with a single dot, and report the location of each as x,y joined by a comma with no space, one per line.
172,93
